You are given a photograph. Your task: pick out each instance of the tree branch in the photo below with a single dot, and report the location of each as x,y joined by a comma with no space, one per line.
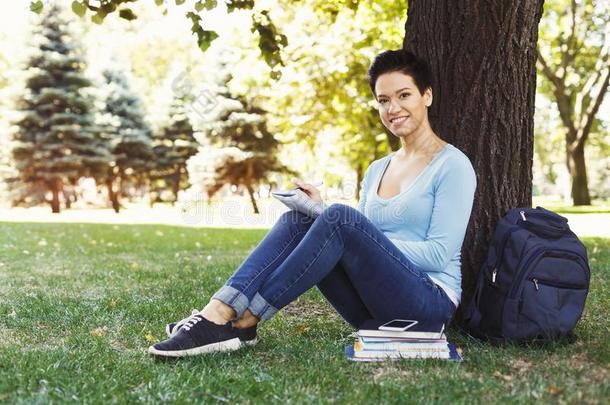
559,90
583,133
595,90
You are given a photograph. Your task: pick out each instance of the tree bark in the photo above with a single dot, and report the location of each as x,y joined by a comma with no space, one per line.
578,173
248,184
176,184
483,58
112,196
55,189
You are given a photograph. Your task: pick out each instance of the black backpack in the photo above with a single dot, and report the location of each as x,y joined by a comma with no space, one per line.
534,282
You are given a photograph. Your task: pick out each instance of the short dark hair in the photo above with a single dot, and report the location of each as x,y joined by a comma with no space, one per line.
403,61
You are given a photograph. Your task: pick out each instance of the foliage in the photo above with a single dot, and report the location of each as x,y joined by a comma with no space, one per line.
174,144
574,67
242,149
270,40
124,118
81,302
324,89
55,140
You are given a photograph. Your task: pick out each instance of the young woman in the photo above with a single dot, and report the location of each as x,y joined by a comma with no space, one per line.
397,256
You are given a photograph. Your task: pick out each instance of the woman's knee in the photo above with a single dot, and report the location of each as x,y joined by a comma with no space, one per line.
341,213
295,218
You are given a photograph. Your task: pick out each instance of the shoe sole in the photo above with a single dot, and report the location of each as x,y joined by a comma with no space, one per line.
224,346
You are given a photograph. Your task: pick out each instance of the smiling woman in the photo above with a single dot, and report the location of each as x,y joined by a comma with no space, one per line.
396,257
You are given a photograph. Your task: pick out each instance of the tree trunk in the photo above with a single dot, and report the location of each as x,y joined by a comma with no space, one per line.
248,184
67,199
55,189
578,173
483,58
176,185
112,196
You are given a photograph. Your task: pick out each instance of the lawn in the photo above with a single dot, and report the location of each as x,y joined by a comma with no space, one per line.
79,305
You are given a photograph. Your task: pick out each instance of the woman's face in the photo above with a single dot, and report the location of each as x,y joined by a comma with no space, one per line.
402,108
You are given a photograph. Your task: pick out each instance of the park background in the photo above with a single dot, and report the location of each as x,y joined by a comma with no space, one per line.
186,145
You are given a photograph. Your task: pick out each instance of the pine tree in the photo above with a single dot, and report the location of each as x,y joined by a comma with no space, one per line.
124,123
247,150
55,141
173,146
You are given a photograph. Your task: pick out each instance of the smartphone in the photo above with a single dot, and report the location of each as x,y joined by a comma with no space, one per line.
398,325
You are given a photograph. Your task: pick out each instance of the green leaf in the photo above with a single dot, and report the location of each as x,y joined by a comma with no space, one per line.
180,2
210,4
127,14
78,8
158,2
36,6
205,39
98,18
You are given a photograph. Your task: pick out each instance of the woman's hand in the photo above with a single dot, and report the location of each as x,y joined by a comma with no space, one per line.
309,189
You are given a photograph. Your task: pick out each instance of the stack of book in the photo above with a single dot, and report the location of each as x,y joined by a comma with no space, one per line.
421,341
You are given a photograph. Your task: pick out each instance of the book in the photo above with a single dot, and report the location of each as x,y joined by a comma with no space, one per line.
298,200
421,330
453,354
401,346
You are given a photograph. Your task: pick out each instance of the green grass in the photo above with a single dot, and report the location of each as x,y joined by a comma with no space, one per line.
79,304
597,207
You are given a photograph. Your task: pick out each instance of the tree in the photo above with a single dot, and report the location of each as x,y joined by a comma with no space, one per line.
129,133
270,40
483,59
246,150
343,103
55,142
173,146
574,60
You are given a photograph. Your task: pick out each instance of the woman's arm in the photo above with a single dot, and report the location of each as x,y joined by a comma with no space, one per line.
453,199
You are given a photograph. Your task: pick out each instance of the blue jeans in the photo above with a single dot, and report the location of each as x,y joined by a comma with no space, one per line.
355,266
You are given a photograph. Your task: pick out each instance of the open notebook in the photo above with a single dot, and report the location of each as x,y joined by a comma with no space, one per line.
299,200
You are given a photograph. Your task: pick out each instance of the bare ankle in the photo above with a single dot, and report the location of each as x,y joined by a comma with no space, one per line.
247,320
218,312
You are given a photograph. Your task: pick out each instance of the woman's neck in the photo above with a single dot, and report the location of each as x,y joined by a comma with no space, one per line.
423,142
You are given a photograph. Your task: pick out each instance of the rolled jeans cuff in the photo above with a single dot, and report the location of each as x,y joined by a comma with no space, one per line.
233,298
261,309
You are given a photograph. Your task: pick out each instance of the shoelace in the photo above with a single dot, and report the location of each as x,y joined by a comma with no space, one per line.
192,322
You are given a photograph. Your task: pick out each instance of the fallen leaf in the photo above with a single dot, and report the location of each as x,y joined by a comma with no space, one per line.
504,377
112,304
159,233
99,332
554,390
149,337
42,242
302,328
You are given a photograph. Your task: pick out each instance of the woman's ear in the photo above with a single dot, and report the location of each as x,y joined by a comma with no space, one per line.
428,97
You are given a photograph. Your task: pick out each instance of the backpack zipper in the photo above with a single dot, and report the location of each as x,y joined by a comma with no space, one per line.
537,283
536,255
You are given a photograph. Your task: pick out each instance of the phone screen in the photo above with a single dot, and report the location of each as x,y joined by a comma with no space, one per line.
400,324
